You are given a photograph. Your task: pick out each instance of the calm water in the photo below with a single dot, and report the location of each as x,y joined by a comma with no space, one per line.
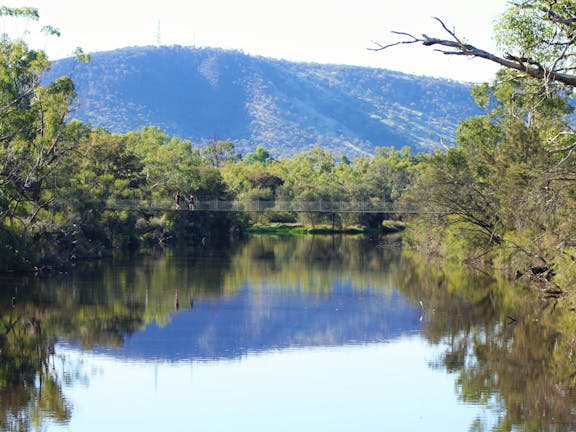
308,334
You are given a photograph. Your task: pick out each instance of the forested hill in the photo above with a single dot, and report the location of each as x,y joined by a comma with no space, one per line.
202,94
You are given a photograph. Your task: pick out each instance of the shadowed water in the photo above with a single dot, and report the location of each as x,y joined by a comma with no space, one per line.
314,333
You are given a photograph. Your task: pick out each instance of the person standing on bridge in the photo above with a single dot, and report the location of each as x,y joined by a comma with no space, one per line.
191,202
177,198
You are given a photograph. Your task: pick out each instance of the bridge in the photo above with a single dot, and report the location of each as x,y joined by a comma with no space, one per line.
295,206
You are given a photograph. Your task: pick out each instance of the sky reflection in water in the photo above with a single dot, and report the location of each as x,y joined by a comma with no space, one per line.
381,386
272,359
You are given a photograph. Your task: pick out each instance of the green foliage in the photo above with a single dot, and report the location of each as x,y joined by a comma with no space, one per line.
502,195
57,177
539,30
261,155
522,28
217,153
564,270
265,180
22,12
167,162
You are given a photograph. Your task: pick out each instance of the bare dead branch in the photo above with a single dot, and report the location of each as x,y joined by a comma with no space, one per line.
380,47
450,32
528,66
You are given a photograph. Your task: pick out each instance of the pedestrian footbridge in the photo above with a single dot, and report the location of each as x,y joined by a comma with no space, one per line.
262,206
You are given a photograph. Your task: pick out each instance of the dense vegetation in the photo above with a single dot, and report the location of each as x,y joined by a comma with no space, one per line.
502,196
58,177
505,195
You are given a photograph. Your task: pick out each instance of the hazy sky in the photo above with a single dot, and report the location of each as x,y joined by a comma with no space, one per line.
323,31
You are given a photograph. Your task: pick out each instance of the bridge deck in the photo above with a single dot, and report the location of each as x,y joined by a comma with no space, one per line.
263,206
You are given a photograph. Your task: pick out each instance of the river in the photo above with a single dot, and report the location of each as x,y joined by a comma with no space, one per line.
310,333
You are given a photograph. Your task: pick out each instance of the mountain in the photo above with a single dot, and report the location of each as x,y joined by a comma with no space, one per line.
269,320
203,93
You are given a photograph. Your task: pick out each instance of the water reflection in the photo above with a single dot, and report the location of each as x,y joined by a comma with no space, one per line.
509,348
325,298
272,295
374,387
30,390
255,320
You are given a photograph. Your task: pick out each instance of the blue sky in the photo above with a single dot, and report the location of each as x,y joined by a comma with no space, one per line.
322,31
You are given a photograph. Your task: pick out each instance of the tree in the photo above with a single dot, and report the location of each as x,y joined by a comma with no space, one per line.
504,192
265,180
169,163
260,155
508,188
536,36
217,153
35,138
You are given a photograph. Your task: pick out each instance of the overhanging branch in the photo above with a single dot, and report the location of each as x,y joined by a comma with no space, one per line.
456,46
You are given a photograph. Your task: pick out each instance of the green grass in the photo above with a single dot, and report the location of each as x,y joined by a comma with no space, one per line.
393,226
293,229
280,229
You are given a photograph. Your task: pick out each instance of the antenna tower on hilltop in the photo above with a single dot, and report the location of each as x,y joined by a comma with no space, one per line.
158,33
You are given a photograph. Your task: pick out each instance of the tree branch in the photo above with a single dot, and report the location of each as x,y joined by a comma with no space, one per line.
528,66
555,18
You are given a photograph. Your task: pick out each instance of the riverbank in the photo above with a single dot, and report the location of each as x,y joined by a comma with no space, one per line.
296,229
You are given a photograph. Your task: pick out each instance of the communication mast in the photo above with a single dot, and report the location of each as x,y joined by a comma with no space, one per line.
158,34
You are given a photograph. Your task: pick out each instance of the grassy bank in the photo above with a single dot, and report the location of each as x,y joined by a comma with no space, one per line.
294,229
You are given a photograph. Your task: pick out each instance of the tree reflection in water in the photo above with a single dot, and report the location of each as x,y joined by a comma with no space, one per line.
509,348
34,314
30,391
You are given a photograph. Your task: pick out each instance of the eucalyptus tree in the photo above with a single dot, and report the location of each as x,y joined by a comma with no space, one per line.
503,194
35,136
536,43
260,155
216,153
509,184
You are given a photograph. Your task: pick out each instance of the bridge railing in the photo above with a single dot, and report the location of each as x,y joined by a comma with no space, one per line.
261,206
